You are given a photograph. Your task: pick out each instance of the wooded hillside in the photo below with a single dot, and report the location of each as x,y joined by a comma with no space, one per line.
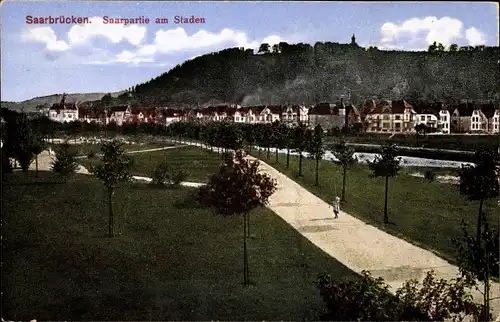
304,73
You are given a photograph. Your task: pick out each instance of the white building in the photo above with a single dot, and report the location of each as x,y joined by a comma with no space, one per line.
479,121
444,121
64,112
496,122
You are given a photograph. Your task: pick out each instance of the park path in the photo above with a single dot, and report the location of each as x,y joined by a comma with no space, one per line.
355,244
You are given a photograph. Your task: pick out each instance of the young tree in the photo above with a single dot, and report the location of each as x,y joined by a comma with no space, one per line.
479,259
299,143
64,162
237,189
480,181
315,147
346,158
114,167
267,138
386,165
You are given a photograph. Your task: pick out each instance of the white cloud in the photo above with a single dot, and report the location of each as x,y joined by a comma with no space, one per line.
421,32
176,40
45,35
475,37
81,34
165,41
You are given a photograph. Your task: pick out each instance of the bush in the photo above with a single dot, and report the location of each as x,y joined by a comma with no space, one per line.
161,174
91,155
369,299
429,175
164,175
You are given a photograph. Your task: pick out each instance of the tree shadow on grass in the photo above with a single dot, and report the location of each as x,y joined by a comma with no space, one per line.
190,202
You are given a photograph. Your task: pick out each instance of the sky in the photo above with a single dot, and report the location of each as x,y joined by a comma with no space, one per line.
100,56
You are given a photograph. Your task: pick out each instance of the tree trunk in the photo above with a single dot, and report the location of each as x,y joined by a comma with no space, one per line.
111,230
36,165
479,222
386,217
260,150
277,160
343,184
487,289
300,164
245,251
268,152
287,158
317,172
248,226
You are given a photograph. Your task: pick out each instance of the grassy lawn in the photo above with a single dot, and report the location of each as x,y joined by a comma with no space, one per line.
427,214
173,260
199,163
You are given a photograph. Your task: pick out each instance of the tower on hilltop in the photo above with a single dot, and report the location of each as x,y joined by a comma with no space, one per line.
353,40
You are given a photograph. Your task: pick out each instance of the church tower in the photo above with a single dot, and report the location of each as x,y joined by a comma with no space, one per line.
353,40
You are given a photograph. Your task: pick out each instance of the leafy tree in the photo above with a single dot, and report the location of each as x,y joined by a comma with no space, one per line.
433,47
346,158
479,259
453,48
64,162
21,141
300,143
236,189
479,181
315,147
369,299
386,165
107,99
440,47
264,48
114,167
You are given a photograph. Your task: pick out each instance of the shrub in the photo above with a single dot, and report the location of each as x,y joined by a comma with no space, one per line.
369,299
429,175
161,173
91,155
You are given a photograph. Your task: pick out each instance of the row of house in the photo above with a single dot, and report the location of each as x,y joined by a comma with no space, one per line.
384,116
400,116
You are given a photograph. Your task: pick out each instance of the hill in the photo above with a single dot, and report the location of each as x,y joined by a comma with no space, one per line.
304,73
31,104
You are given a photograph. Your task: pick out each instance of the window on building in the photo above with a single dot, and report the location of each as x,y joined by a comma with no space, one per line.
429,118
422,118
398,117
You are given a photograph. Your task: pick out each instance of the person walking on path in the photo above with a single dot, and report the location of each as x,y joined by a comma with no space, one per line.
336,207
